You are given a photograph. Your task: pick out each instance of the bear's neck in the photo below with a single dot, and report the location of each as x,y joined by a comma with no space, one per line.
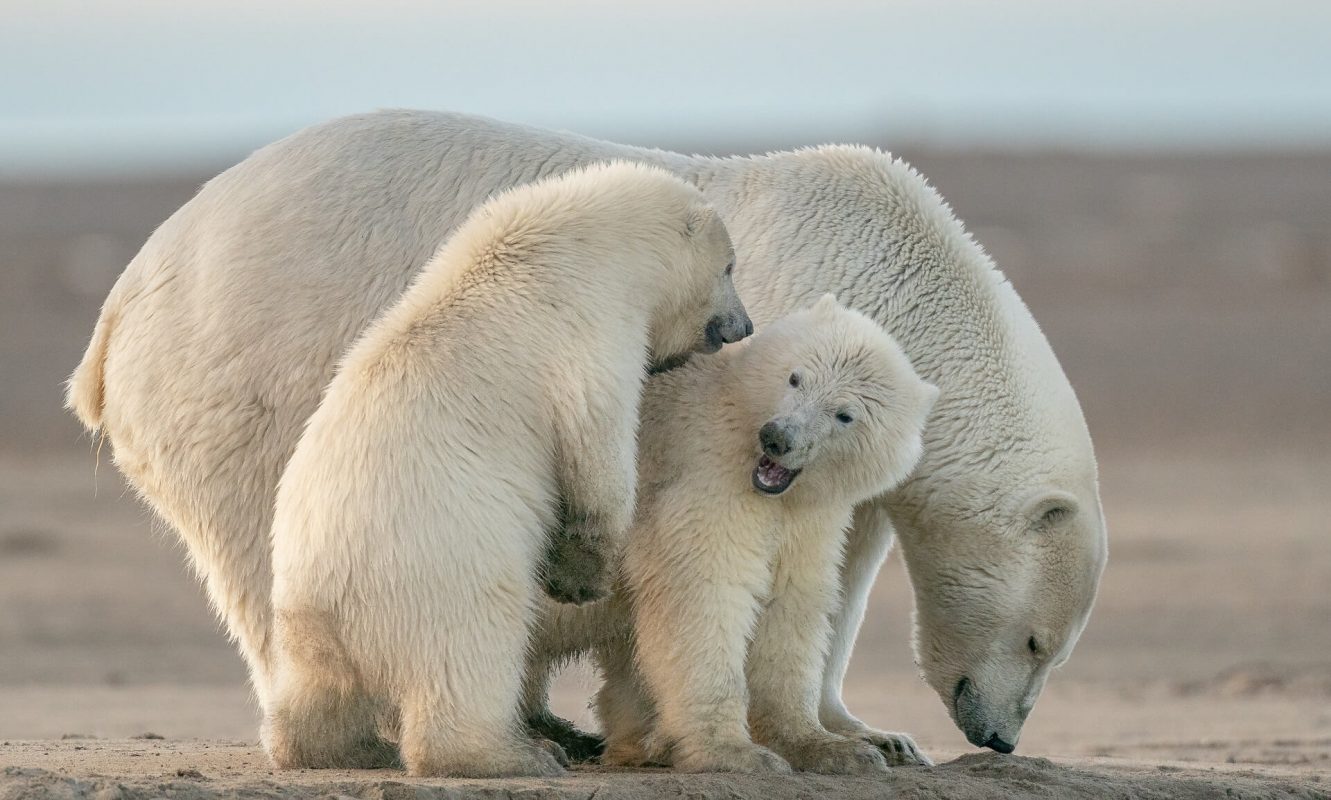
891,250
708,392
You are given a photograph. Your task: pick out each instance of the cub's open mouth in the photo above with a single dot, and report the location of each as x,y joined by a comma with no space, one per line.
770,477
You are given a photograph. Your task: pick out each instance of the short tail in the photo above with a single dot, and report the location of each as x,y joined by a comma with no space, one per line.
85,390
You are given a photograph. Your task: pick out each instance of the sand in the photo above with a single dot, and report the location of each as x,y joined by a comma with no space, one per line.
1190,302
129,769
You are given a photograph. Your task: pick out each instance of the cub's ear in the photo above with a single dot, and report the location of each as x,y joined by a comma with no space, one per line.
700,216
1048,509
826,303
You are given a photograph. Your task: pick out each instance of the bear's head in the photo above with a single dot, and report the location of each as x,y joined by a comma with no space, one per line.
1003,533
836,409
995,617
702,310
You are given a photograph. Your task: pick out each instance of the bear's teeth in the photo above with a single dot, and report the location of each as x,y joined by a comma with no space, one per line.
770,472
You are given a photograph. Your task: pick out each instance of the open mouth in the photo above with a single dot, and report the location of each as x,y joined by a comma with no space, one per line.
711,343
770,477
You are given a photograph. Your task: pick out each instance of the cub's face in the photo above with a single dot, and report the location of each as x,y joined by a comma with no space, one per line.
844,409
704,311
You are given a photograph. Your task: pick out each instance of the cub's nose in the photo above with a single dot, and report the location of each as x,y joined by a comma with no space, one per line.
743,328
775,439
727,329
999,745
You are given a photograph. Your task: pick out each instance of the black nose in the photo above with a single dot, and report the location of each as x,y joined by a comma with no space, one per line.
774,439
728,329
998,744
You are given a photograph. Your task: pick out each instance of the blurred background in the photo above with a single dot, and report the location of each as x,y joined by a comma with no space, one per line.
1154,177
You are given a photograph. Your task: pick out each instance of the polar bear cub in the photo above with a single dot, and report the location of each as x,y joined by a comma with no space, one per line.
751,464
495,403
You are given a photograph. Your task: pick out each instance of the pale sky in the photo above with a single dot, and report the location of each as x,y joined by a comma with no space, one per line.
117,85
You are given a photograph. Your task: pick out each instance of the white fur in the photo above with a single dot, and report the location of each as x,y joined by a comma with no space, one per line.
216,342
500,392
731,589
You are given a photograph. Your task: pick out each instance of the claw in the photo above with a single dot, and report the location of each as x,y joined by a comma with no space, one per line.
555,750
900,749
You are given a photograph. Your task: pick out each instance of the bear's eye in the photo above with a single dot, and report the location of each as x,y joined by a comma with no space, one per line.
1033,646
844,417
794,379
730,268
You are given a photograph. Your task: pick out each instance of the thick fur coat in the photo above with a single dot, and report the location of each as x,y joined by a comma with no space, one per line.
751,464
494,403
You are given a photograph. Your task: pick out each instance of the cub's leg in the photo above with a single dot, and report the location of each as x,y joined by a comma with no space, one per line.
868,543
786,659
624,709
319,714
563,633
693,614
598,451
461,678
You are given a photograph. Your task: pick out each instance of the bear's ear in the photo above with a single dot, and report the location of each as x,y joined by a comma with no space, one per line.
1048,509
700,216
826,303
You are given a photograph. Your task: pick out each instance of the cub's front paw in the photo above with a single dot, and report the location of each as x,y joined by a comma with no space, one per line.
732,757
575,569
553,748
625,754
835,755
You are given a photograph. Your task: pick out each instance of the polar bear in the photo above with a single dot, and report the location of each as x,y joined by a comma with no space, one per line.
213,347
751,463
495,401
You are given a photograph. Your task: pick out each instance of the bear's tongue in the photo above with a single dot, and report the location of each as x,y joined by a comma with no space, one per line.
772,474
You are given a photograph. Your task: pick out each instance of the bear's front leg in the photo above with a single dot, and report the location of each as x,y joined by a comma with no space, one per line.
899,749
693,611
786,660
868,542
597,452
575,568
563,633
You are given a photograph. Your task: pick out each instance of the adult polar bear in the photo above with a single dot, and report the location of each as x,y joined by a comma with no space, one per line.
215,344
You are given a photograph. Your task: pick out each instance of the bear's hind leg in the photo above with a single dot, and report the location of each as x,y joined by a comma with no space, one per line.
320,727
319,715
462,687
437,741
624,709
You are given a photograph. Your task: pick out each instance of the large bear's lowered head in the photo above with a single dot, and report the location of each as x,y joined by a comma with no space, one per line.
836,409
1003,533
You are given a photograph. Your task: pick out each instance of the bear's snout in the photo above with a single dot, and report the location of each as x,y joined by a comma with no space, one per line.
775,439
727,329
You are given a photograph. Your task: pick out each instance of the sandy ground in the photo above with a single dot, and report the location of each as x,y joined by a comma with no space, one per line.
1207,666
1195,324
123,769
